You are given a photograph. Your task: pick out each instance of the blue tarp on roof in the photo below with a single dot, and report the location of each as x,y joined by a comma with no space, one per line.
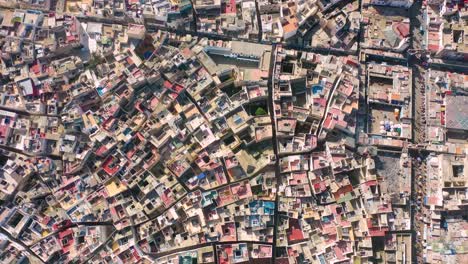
147,54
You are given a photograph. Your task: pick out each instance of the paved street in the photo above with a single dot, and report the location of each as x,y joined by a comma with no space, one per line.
419,126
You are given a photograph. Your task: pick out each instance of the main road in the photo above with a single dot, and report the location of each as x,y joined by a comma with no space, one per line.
418,33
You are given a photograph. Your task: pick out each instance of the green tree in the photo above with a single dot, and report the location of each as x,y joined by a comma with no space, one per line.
95,60
260,111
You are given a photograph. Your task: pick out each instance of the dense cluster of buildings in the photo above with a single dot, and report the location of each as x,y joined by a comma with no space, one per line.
222,131
444,232
447,29
337,30
445,175
28,35
389,93
334,205
446,98
158,142
385,29
228,18
314,94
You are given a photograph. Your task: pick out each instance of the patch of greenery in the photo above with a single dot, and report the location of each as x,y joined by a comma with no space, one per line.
260,112
95,60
